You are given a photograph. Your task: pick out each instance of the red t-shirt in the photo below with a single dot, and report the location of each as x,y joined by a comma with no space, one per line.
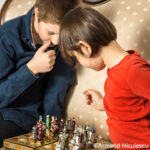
127,102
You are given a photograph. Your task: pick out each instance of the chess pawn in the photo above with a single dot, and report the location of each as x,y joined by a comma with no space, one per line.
85,135
81,141
87,128
40,134
80,129
69,124
40,123
73,140
55,130
91,138
64,129
66,144
61,126
60,138
77,140
34,133
60,145
75,130
76,146
73,124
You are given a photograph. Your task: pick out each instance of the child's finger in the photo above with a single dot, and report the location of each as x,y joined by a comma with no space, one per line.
95,106
44,47
88,91
88,102
85,92
89,98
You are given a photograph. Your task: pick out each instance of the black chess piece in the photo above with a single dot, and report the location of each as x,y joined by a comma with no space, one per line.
93,1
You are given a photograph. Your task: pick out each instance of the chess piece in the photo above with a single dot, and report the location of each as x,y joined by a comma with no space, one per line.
48,125
73,140
91,138
48,122
85,136
76,146
69,124
93,1
66,144
56,127
41,127
60,145
61,124
73,124
40,119
64,129
93,135
34,133
40,135
52,124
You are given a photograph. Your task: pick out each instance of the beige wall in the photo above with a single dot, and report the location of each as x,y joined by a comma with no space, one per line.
1,3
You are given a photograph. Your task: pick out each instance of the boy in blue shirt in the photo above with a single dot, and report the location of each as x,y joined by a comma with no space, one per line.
33,79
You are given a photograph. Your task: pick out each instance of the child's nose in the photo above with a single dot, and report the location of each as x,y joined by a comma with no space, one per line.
53,42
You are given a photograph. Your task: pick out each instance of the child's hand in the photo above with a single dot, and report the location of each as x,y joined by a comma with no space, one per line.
42,61
94,98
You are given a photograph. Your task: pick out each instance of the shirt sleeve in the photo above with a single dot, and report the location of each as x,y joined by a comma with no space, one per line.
138,78
12,82
60,79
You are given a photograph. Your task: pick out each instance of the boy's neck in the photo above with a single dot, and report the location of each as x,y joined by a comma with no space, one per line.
112,54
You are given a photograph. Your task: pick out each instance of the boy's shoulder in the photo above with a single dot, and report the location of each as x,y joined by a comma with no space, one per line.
11,25
17,25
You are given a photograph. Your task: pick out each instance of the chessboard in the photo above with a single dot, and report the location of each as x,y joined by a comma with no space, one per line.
53,135
25,142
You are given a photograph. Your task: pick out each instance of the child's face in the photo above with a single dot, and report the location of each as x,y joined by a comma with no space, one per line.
48,32
95,63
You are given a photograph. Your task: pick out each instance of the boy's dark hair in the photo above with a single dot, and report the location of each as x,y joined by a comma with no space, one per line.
86,24
53,10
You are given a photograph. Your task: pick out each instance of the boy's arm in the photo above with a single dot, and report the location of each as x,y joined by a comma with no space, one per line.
60,79
138,78
12,83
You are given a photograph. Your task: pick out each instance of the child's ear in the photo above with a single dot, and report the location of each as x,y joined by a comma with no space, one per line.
85,48
36,12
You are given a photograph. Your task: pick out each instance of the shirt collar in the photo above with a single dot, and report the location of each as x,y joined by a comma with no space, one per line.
26,27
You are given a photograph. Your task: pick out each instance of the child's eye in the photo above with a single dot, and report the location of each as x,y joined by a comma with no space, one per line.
51,33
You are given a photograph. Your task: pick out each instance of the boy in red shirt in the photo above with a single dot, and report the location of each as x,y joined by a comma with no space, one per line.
87,36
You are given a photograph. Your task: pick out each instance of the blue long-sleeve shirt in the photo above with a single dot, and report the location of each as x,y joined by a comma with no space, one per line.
23,97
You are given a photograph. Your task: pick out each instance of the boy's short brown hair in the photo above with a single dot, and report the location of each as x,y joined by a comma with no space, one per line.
86,24
53,10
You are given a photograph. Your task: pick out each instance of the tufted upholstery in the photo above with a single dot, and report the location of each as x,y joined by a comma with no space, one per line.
16,8
131,18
